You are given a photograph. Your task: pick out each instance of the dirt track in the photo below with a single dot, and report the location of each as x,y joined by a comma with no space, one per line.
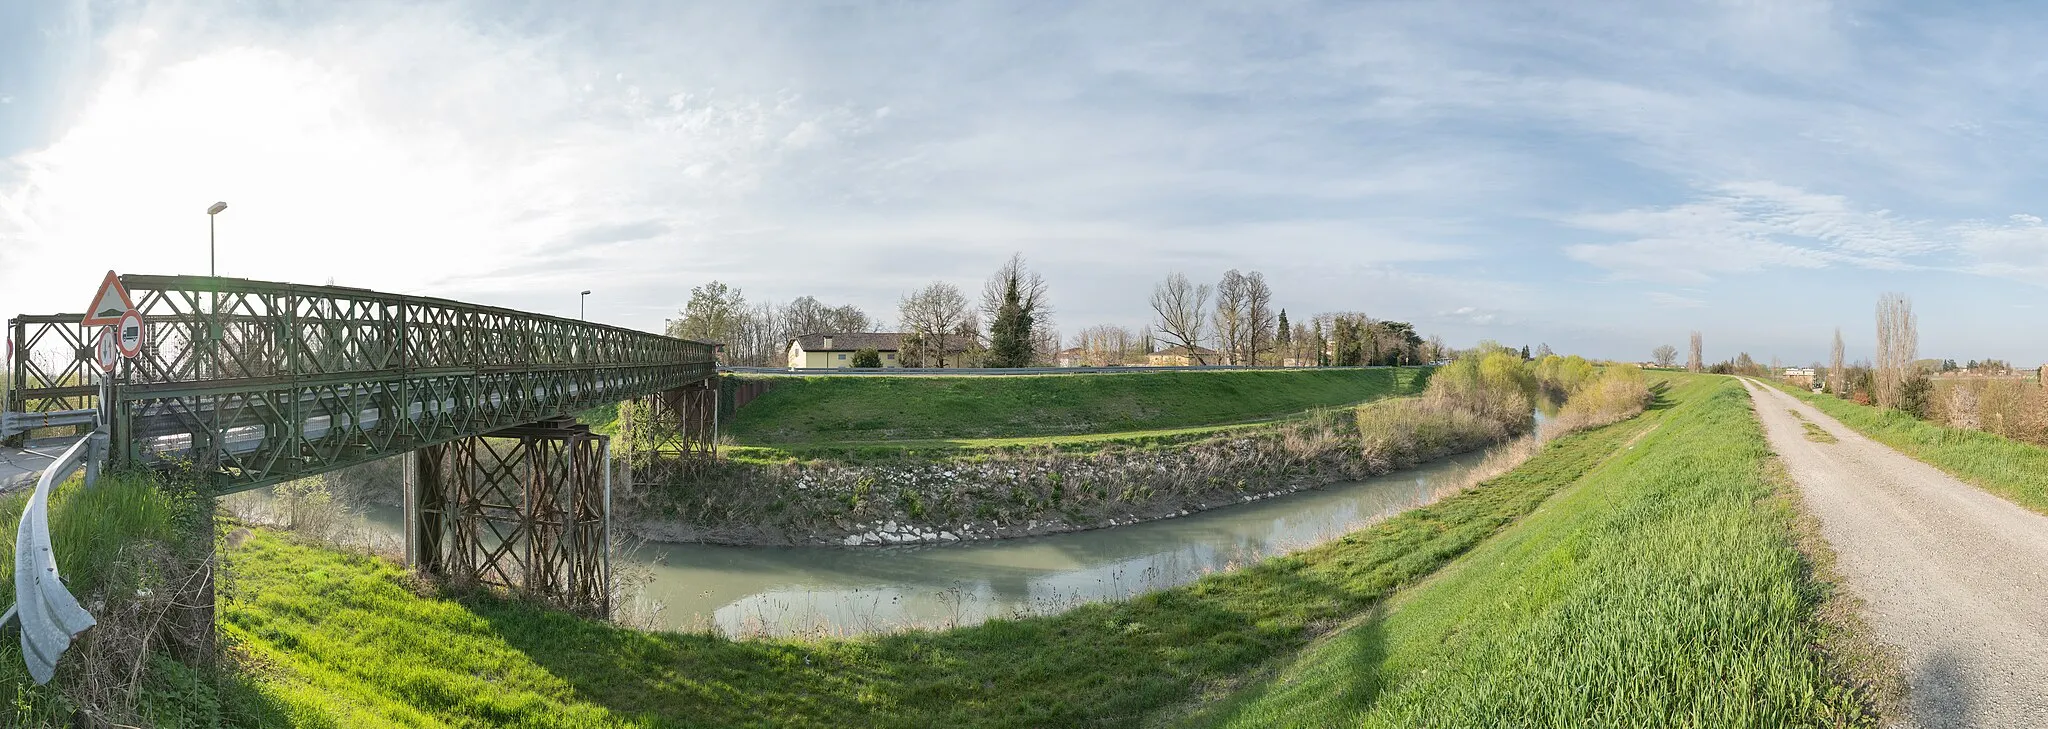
1954,580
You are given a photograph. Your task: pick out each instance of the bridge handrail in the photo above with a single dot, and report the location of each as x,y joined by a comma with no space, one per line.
50,616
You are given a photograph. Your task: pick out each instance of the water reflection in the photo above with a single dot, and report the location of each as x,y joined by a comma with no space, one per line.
746,591
844,591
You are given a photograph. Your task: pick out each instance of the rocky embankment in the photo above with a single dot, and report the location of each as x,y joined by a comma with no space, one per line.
1009,494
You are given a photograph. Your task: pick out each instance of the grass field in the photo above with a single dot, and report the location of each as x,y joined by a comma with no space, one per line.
1663,590
870,409
2011,469
345,641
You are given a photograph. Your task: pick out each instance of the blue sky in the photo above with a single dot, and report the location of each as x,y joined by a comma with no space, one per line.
1600,177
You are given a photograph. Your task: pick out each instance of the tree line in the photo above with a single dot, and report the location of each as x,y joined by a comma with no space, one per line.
1234,321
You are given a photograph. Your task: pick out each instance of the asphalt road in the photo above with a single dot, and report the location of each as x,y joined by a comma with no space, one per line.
19,468
1954,580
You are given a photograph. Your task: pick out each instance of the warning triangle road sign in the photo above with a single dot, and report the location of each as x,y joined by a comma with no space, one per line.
109,304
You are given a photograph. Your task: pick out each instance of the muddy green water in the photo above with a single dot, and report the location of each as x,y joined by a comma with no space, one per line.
745,591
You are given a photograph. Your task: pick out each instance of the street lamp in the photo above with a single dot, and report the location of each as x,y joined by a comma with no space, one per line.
579,303
210,212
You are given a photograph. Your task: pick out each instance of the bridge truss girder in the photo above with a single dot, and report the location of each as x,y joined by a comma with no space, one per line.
251,383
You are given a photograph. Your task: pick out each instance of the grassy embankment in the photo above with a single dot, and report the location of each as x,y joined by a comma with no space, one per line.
861,417
116,548
345,641
2013,470
1665,589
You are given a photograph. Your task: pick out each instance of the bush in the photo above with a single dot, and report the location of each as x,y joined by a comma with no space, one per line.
1618,393
867,357
1916,395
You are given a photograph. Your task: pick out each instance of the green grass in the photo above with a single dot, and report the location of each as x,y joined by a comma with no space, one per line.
96,533
869,409
1663,590
2013,470
603,419
857,451
346,641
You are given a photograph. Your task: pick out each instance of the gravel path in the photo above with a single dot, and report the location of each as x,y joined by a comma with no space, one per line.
1953,579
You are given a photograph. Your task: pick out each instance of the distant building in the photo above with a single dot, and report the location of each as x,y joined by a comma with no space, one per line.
1180,357
1072,357
836,349
1801,376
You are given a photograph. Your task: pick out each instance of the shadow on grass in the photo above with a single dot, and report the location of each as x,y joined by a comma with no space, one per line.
1357,655
1658,401
1114,662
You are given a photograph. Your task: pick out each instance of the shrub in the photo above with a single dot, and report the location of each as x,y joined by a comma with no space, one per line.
1916,394
1618,393
867,357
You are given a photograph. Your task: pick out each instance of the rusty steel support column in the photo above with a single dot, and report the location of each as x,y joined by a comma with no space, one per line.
526,511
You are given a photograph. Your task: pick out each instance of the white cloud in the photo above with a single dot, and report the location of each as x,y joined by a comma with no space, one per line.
2016,249
1750,226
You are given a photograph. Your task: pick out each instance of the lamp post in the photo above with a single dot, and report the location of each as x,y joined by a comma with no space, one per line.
210,212
579,303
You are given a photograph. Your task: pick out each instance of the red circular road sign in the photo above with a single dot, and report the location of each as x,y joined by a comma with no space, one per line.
107,355
128,334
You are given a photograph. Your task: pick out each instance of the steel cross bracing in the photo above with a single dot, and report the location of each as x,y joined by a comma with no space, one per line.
250,383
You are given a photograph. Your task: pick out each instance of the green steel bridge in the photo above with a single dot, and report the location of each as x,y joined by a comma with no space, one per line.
251,383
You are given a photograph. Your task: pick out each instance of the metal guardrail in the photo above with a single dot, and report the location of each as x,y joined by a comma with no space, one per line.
12,423
50,616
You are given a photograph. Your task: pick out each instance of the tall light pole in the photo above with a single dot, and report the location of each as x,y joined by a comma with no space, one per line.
210,213
579,303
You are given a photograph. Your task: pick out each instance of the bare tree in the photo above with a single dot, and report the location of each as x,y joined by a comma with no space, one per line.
1104,345
1836,373
1664,355
1898,341
1182,308
1258,318
1692,362
1231,294
935,315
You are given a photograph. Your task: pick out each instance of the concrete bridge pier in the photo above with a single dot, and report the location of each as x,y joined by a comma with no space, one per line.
526,509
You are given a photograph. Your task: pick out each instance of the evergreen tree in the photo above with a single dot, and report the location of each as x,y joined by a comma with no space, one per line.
1282,340
1525,352
1322,351
1009,336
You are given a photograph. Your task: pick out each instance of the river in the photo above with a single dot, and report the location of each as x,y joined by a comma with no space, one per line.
746,591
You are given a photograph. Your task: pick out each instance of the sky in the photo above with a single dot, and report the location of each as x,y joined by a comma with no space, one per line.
1602,178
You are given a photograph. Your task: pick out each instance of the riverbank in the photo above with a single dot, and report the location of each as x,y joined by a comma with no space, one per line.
1034,490
803,411
347,641
1027,492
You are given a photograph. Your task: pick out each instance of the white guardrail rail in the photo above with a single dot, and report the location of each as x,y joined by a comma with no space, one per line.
50,617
